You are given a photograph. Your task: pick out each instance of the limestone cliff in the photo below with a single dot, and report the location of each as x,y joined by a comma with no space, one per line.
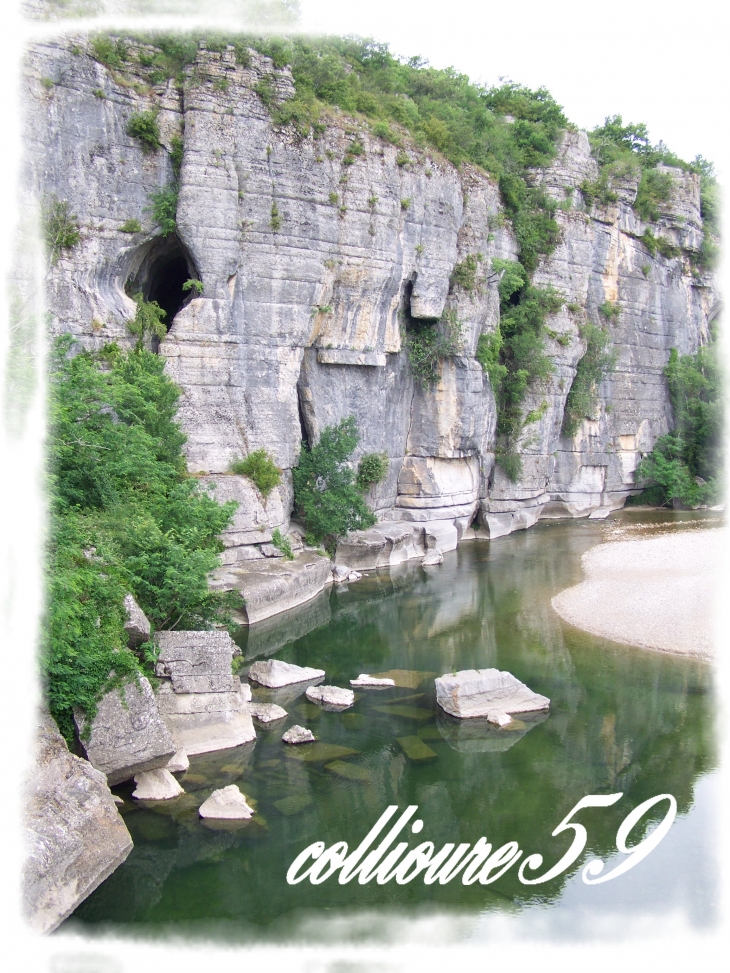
310,258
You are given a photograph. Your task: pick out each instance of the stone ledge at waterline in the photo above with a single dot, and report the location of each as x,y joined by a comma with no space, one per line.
75,835
127,734
273,585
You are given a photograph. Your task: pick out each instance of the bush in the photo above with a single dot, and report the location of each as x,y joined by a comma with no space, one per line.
193,284
427,343
143,126
282,544
109,51
654,189
610,310
164,209
464,274
60,228
686,464
597,362
131,226
260,468
325,496
148,320
372,468
125,518
275,219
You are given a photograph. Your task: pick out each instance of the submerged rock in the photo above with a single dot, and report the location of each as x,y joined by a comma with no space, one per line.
226,803
298,734
127,735
331,696
267,712
178,762
274,673
75,836
364,680
156,785
486,692
432,557
480,735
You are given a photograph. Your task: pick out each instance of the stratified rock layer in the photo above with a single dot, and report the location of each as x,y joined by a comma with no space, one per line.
75,837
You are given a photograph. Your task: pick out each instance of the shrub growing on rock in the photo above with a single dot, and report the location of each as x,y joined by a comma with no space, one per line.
143,126
325,494
260,468
372,468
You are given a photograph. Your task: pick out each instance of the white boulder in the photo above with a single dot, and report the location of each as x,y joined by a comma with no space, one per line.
364,680
178,762
331,696
226,803
433,556
486,692
274,673
298,734
156,785
267,712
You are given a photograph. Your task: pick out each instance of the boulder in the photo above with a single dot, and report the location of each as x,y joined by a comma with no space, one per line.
197,662
204,722
354,576
298,734
486,692
267,712
179,762
330,697
226,803
341,573
274,673
75,836
137,625
156,785
363,680
432,557
127,735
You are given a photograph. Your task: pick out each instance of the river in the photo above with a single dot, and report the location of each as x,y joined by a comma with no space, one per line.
621,719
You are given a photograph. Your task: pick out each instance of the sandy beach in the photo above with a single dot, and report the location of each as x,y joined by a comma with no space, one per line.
657,593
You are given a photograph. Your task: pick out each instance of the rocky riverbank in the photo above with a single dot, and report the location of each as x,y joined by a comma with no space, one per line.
657,593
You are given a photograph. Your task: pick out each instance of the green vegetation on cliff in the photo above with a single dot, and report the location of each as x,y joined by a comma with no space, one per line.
686,464
326,495
125,518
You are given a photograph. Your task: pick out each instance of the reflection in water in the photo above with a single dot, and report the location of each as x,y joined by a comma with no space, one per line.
621,719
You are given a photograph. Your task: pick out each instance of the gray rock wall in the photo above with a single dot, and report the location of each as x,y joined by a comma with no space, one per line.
308,264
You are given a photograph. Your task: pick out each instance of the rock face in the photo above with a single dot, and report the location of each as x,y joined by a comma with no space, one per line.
298,323
127,735
487,693
274,673
75,837
227,803
197,662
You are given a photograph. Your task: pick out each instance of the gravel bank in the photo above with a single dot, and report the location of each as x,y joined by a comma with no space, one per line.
657,593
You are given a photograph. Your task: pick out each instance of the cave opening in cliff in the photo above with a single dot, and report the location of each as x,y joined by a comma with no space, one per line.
163,267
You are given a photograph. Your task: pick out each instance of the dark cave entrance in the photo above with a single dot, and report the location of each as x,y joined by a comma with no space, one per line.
163,267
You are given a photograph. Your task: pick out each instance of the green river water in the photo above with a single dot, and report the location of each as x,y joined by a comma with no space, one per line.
621,719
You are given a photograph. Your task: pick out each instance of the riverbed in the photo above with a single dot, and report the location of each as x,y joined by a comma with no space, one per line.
622,719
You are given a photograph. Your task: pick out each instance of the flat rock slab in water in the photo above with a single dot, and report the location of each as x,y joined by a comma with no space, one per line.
415,749
319,752
331,697
405,678
156,785
267,712
226,803
297,735
486,692
364,680
274,673
350,771
294,803
406,712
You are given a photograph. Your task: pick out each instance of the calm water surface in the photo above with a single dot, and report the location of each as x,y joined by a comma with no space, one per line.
621,719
